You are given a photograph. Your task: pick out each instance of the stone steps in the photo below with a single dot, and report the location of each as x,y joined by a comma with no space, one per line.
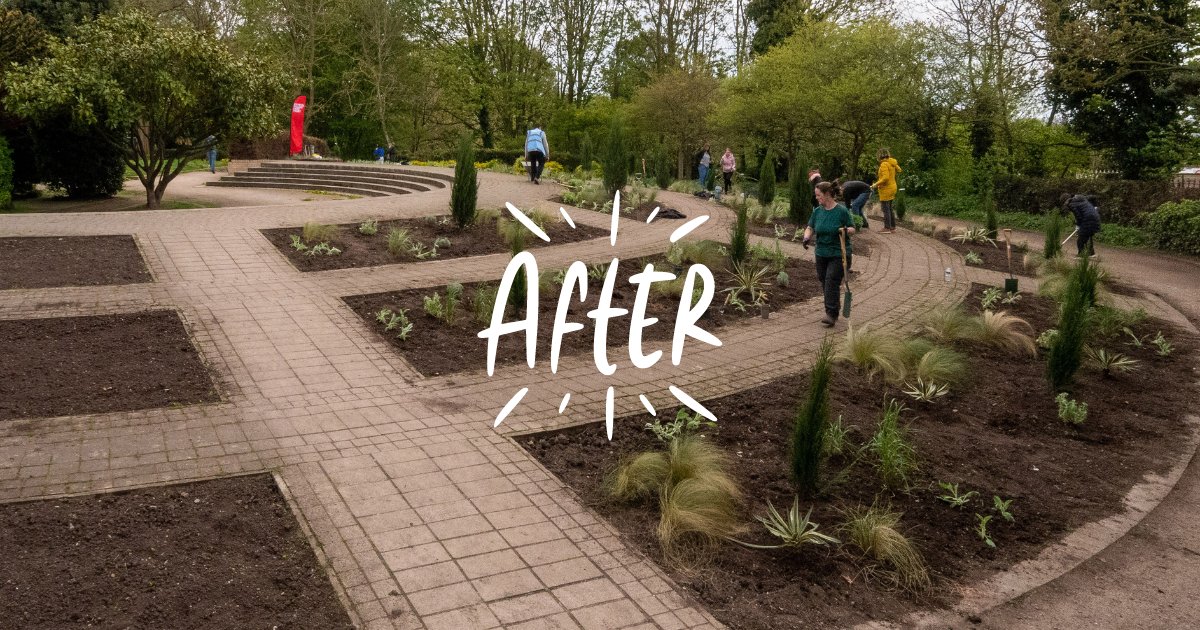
362,180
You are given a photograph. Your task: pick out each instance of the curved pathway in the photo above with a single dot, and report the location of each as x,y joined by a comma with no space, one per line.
1147,578
427,516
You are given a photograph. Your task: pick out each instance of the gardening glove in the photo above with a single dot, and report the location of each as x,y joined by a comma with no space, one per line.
805,241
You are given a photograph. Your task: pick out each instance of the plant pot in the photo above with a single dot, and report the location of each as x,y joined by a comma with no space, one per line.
1010,285
764,310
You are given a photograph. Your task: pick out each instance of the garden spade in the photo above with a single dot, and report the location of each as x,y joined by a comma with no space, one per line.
1073,233
845,275
1010,283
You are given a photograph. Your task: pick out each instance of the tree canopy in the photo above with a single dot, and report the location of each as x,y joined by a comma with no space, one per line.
160,94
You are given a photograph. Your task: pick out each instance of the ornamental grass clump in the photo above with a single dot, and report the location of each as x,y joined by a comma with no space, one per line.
950,324
896,458
810,424
1053,228
314,232
1002,330
874,352
874,531
697,498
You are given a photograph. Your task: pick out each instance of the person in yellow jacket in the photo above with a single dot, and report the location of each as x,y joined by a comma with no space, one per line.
885,183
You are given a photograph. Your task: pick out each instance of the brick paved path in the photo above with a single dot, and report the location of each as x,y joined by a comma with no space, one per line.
426,515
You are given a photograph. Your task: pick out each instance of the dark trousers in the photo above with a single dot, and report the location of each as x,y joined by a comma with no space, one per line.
537,161
728,180
830,274
889,221
1086,247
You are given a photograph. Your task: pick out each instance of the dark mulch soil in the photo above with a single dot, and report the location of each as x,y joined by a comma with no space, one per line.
216,554
997,435
359,250
69,261
435,348
994,258
72,365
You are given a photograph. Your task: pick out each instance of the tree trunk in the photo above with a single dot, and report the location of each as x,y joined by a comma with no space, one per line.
152,198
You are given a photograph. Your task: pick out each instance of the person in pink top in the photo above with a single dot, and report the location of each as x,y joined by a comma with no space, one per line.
728,166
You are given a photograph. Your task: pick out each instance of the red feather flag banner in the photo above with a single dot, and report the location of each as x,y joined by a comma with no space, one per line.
298,124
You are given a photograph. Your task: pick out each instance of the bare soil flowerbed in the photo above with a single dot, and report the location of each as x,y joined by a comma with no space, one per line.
435,348
997,435
72,365
359,250
225,553
994,258
34,262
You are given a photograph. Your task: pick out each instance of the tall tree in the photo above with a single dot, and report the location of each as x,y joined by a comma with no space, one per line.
674,109
1118,70
112,75
777,20
580,31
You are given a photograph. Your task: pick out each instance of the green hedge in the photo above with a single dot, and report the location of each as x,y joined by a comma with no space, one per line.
6,172
1122,202
1176,227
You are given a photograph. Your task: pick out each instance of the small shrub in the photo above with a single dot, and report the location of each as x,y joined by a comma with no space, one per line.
6,175
1070,411
873,530
688,186
901,207
368,228
989,298
1066,348
897,459
315,232
465,190
800,202
810,423
749,284
782,279
874,352
1046,339
664,171
972,258
586,152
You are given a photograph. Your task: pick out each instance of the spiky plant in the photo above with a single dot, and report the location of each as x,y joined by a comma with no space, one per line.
874,531
810,423
739,240
397,241
794,531
875,352
1109,363
749,285
896,456
465,190
1001,330
483,301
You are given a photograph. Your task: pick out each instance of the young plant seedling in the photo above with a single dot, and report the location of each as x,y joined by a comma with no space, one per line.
952,495
395,320
972,258
298,244
368,228
1070,411
684,422
1003,507
981,530
1164,346
1134,340
989,298
1010,298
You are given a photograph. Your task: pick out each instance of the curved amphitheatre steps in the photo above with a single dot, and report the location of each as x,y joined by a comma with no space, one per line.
335,177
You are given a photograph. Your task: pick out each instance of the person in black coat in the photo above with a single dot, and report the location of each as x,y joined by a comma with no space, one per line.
1087,220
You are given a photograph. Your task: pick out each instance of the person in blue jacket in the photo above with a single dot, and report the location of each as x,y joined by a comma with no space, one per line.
537,151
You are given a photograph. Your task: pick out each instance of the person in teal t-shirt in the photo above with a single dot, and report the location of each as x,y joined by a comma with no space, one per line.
828,219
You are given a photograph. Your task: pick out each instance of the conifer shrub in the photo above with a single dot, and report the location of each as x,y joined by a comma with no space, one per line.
465,191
